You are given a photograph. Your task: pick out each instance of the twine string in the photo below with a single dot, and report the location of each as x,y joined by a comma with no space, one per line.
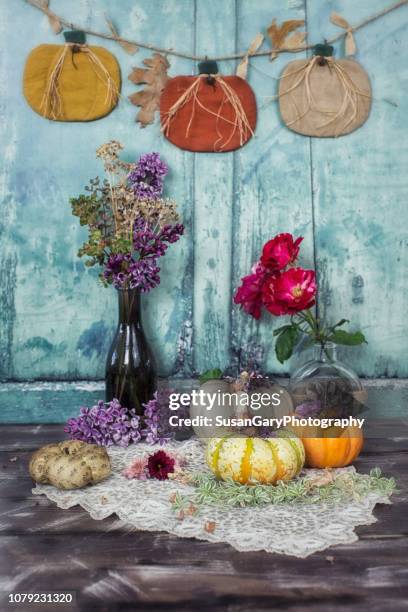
234,56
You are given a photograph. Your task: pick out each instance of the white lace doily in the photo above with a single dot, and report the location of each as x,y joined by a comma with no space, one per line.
291,529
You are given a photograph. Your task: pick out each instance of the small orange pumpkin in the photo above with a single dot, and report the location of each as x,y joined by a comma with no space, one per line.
327,451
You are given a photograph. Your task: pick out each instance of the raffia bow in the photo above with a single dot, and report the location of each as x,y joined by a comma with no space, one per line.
51,101
240,123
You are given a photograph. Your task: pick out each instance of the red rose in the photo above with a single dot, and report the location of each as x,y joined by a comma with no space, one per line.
249,294
290,292
280,251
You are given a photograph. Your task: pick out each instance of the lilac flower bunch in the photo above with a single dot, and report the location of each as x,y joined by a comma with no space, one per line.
126,272
139,270
154,241
147,178
156,418
130,224
105,425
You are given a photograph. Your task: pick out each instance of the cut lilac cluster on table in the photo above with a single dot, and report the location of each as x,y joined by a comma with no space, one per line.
109,423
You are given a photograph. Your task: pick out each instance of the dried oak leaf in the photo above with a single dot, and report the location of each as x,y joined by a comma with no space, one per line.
155,78
278,34
296,41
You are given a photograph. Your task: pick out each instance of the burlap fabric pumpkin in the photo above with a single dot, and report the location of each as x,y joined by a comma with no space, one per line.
71,82
209,112
323,96
70,465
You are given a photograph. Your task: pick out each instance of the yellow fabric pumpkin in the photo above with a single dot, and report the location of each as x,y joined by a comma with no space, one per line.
255,460
71,82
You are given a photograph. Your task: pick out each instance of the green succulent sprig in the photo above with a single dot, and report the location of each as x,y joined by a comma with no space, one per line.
343,487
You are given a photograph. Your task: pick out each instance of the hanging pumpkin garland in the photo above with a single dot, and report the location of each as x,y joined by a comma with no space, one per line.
324,97
320,96
71,82
208,112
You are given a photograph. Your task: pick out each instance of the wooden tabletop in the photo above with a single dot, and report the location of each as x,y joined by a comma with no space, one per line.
112,567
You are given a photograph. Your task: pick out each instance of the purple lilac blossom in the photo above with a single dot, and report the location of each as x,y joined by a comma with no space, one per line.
157,413
148,241
141,271
147,177
105,425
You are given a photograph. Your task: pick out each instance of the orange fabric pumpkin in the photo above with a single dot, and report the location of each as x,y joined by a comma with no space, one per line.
208,112
333,452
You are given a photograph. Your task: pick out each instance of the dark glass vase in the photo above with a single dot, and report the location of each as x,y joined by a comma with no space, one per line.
130,373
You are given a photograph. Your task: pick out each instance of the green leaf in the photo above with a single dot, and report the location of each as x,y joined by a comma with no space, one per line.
348,338
340,323
286,342
278,331
214,374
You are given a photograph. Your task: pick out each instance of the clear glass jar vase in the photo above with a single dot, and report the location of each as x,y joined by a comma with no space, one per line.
130,373
326,386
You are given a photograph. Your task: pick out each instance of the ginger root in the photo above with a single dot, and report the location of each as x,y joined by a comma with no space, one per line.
70,464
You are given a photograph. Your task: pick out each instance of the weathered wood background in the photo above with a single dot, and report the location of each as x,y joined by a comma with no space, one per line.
347,197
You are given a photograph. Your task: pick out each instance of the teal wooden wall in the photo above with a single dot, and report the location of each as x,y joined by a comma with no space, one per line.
347,197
